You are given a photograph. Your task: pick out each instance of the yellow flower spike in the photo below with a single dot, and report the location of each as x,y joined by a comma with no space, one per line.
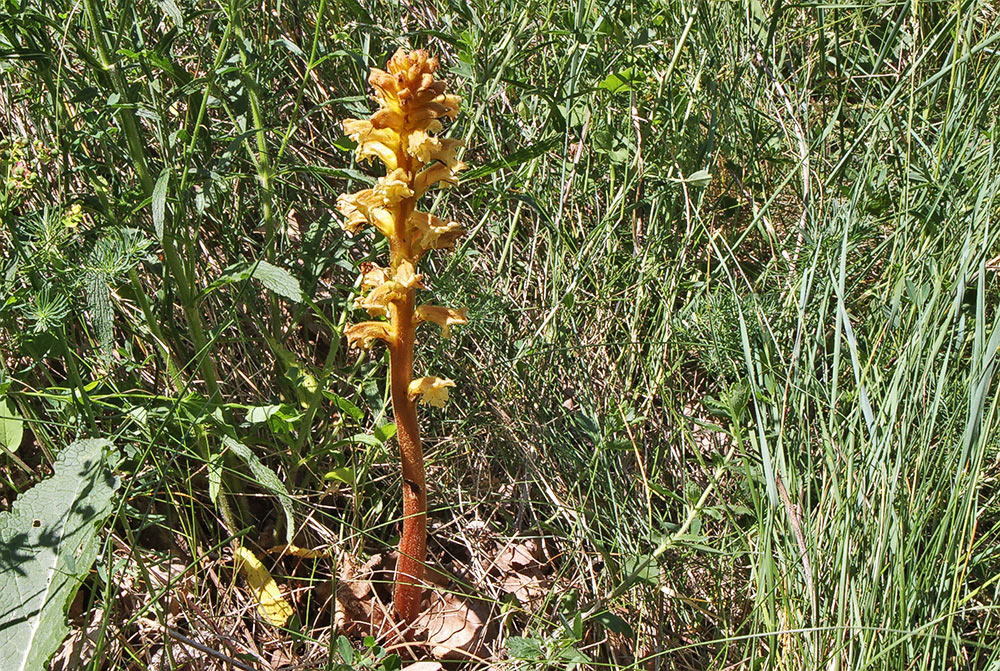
374,276
373,142
366,207
393,188
431,390
354,218
447,153
406,275
437,173
422,146
403,133
377,301
384,289
442,316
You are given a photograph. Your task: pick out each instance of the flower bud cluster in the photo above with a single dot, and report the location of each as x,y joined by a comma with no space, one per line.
15,164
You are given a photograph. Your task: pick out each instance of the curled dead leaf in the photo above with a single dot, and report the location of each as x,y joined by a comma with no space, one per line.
454,627
424,666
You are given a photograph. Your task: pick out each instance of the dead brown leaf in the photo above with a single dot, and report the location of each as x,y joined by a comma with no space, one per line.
522,571
453,627
424,666
79,647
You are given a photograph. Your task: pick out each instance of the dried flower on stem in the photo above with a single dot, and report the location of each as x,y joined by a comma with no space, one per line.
403,135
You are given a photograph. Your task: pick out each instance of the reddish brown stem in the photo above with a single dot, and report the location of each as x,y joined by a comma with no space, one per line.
413,541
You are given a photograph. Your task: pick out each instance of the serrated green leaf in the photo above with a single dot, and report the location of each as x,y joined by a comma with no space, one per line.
268,479
101,312
278,280
48,542
11,427
521,647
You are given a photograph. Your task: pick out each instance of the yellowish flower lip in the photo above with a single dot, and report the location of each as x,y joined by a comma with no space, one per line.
430,390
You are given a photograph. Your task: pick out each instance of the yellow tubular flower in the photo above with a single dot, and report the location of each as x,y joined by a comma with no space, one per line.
431,390
443,317
403,133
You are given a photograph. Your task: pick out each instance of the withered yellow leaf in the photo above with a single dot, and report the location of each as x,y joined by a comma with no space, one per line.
271,605
296,551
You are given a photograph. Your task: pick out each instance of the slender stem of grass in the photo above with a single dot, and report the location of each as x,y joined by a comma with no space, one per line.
154,328
137,152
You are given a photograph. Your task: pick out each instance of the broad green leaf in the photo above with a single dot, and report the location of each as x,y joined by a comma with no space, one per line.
363,439
278,280
48,542
343,474
352,410
261,413
171,9
160,201
615,623
621,81
11,428
574,656
641,568
268,479
702,178
215,468
345,649
385,432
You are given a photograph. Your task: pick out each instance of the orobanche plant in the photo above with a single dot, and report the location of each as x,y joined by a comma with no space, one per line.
403,134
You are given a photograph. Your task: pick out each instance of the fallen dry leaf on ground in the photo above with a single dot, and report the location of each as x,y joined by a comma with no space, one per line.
522,572
424,666
453,628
